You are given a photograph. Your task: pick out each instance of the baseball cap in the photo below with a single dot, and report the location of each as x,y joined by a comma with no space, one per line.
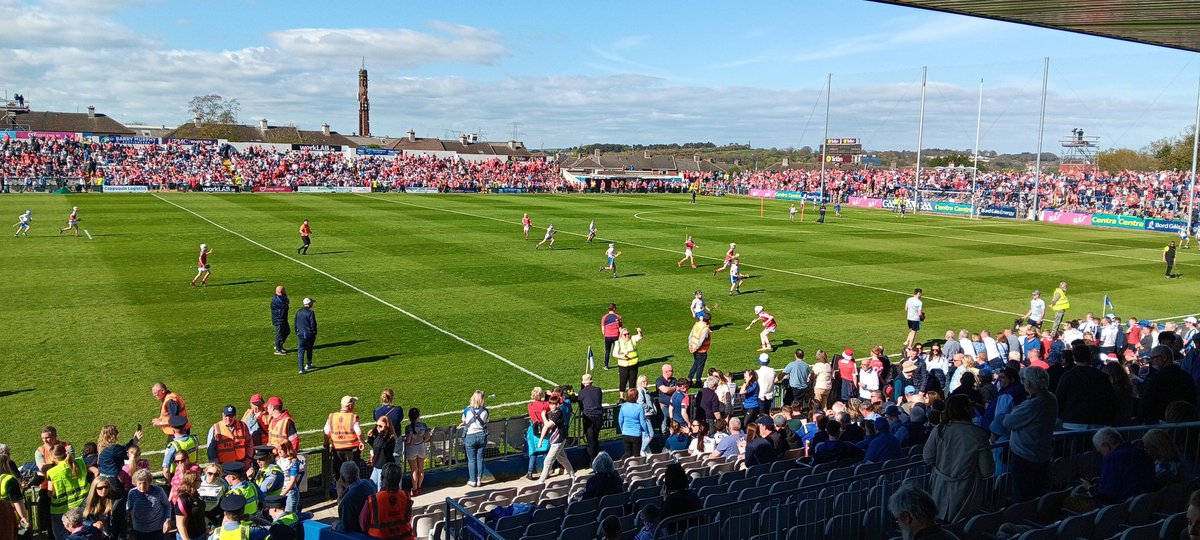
764,358
779,420
348,400
891,410
848,354
229,411
307,301
1190,320
765,421
256,399
274,402
881,424
910,390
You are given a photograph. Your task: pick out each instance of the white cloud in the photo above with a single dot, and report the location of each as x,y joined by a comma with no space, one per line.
943,28
394,47
37,26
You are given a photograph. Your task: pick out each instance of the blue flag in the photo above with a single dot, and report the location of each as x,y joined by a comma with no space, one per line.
591,360
1108,307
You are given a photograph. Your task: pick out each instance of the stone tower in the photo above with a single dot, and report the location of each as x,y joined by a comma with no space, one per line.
364,104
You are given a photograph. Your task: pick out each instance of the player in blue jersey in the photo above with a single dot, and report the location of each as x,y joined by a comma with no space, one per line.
549,238
1184,237
612,254
23,222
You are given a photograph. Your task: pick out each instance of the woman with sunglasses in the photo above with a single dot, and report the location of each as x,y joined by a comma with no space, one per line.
105,507
183,465
212,489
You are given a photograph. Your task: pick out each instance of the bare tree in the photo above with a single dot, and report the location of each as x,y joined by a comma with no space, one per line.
214,109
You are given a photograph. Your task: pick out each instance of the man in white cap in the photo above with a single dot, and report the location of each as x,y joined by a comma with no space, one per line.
1190,333
343,434
306,335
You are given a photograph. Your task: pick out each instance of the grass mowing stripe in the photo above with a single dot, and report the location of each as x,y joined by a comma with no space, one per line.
675,251
362,292
639,216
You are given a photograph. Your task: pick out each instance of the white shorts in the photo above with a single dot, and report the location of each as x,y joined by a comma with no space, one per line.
526,228
687,252
771,329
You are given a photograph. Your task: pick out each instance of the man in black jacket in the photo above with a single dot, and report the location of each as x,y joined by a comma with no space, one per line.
1167,383
591,401
306,335
279,318
1085,394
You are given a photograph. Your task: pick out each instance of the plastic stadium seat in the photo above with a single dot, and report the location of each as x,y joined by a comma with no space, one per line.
753,493
584,530
744,483
1173,526
712,490
512,522
708,531
545,536
983,524
1077,527
809,531
656,500
769,478
617,511
1108,520
579,518
719,499
542,528
616,499
542,515
1045,533
703,481
1141,508
1143,532
732,476
784,464
844,526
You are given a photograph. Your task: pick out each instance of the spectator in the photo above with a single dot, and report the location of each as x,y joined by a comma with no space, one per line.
916,515
1169,467
730,445
306,335
591,399
1031,427
387,515
382,439
677,498
798,376
604,479
710,404
678,438
647,404
1123,394
1193,517
112,455
537,408
387,407
105,507
610,528
701,443
647,520
1125,470
883,445
960,459
147,507
555,432
749,393
77,529
632,423
213,488
758,448
665,385
778,435
822,374
279,317
1085,394
834,449
416,443
914,432
475,420
354,498
189,509
1167,383
294,466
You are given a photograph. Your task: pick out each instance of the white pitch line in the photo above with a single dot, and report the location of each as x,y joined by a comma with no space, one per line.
364,293
800,274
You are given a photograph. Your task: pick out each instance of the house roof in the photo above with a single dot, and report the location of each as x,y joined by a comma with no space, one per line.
241,133
1166,23
63,122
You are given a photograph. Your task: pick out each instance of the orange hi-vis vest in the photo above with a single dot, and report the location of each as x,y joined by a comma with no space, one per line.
230,441
164,415
341,431
390,516
278,432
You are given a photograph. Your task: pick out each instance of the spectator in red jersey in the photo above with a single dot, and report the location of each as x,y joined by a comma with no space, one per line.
848,371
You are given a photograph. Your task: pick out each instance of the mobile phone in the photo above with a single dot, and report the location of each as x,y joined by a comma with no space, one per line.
139,427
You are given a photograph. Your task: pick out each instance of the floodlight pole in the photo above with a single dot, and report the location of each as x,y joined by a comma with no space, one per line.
920,135
1037,179
975,167
825,141
1195,147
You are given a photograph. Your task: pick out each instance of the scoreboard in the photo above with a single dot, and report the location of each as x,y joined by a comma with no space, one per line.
843,150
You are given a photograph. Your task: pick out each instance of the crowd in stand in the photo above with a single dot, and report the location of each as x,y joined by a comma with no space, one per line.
1161,194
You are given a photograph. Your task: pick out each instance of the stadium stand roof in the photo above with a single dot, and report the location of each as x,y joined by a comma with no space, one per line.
272,134
460,146
643,163
89,122
1166,23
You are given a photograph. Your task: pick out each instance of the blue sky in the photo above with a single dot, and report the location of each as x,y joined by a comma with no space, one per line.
568,74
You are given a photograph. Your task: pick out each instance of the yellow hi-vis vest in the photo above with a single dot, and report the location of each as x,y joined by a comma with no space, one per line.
70,490
626,348
1063,303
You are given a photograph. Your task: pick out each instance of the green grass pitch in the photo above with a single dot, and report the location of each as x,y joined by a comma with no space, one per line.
89,325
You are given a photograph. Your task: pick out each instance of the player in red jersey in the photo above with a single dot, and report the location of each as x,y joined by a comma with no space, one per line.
305,232
203,268
72,222
687,252
525,224
768,322
729,256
